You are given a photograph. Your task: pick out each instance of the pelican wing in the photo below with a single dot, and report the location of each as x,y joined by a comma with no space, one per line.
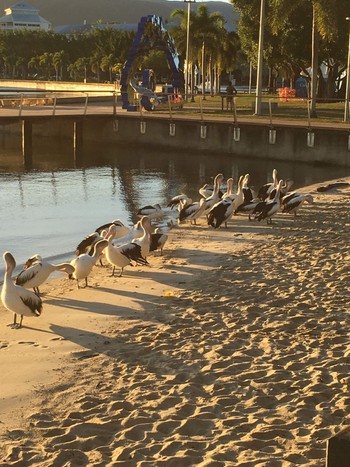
34,303
27,275
133,252
86,244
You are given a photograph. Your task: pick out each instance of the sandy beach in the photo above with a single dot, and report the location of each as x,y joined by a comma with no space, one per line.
231,349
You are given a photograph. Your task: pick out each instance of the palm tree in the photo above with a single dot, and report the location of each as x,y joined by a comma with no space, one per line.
206,29
323,21
57,61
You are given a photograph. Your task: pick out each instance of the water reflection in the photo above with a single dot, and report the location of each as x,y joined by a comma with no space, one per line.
50,208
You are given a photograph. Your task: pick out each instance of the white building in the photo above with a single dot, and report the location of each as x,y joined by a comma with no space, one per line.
23,16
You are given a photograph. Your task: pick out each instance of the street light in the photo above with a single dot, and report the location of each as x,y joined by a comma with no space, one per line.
260,60
347,91
187,44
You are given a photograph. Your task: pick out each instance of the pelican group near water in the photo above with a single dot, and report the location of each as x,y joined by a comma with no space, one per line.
218,208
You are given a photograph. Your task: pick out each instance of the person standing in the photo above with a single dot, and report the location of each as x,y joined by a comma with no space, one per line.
230,92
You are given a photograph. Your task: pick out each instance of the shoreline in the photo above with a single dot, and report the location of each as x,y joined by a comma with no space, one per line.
231,347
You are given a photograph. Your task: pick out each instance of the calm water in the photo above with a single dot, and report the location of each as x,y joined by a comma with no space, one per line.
51,207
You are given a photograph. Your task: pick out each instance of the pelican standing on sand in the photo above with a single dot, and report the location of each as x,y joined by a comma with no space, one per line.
85,246
265,190
152,212
158,240
292,202
145,239
222,211
84,263
191,212
17,299
214,197
122,255
177,200
37,272
271,207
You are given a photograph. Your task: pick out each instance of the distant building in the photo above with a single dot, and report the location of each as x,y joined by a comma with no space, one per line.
23,16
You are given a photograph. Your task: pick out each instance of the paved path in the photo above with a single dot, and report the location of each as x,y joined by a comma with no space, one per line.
189,113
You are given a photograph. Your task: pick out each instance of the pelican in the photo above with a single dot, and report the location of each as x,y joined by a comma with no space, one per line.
85,246
264,191
122,255
158,240
214,197
37,270
251,207
292,202
84,263
229,188
152,212
17,299
176,201
191,212
144,240
271,207
120,231
285,187
207,190
249,193
222,211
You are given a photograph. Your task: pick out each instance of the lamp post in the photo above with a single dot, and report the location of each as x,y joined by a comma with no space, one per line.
187,44
260,60
347,89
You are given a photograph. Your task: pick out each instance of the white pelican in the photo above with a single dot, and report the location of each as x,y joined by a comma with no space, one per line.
222,211
84,263
176,201
122,255
120,231
191,212
85,246
214,197
38,271
248,192
144,240
285,187
270,207
250,208
229,188
152,212
264,191
15,298
158,240
292,202
207,190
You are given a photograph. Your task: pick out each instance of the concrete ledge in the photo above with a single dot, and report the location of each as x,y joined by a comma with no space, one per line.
338,449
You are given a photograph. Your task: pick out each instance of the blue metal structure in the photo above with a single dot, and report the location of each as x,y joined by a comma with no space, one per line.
150,35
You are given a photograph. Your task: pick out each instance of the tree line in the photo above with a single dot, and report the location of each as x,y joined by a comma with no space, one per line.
295,34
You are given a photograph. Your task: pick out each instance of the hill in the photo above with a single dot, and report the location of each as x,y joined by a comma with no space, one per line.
62,12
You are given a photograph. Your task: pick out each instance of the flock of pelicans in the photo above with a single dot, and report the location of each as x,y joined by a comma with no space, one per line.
216,206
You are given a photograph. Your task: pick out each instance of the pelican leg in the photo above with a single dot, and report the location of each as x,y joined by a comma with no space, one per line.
112,275
86,282
121,272
78,284
16,325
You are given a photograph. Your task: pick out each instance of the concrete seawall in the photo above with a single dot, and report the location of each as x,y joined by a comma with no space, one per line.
324,145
